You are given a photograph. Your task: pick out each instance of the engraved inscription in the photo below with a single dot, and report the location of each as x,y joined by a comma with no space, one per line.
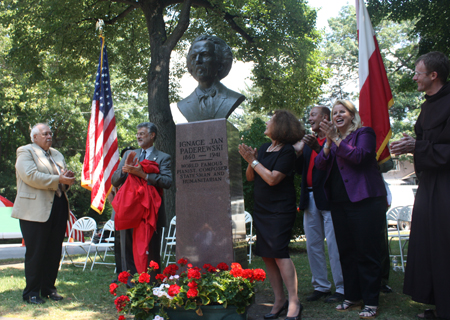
201,160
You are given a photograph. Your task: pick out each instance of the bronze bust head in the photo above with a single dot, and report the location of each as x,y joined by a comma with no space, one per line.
209,60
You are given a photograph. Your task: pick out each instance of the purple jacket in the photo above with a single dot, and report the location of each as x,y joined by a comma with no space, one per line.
356,160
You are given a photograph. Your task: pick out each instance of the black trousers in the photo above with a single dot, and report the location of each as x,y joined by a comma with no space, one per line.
358,227
130,266
385,259
43,241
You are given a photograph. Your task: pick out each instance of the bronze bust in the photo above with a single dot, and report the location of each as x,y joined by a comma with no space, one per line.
209,60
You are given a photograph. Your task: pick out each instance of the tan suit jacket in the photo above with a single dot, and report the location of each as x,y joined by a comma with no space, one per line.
36,183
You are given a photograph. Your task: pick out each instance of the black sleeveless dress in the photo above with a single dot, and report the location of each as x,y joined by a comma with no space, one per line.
275,209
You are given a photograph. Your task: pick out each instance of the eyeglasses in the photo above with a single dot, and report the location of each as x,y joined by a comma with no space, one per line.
141,134
44,134
417,73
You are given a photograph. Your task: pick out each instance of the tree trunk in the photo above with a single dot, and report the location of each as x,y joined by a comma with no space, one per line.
158,95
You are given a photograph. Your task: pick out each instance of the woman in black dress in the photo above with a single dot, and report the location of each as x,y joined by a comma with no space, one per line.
274,212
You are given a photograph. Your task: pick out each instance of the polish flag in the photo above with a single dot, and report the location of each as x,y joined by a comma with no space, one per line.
375,98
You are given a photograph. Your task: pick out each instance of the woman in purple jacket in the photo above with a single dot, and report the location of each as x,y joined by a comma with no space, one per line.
357,194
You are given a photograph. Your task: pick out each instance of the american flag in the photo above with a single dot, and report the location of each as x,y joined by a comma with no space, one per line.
102,154
77,234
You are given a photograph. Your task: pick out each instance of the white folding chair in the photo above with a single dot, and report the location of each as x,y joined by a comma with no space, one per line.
249,237
170,241
104,245
403,217
85,224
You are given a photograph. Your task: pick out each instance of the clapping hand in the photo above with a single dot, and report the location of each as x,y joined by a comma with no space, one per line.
248,153
311,141
407,144
67,177
329,129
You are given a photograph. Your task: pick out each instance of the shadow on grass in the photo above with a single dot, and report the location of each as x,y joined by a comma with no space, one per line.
86,295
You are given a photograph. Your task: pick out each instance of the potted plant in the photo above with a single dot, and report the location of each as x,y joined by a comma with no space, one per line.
205,293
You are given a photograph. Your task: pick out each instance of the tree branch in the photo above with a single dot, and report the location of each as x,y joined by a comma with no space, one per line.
130,3
183,24
121,15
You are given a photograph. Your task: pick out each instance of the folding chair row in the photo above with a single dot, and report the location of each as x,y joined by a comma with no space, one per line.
403,216
88,226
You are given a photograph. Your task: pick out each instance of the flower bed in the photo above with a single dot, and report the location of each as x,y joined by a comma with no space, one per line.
191,289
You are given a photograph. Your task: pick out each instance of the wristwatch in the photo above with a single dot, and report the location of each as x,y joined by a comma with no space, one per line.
325,146
254,163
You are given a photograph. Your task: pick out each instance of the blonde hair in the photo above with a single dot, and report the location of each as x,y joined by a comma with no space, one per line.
356,122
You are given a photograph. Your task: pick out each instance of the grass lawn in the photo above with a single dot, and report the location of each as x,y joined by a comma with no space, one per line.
87,295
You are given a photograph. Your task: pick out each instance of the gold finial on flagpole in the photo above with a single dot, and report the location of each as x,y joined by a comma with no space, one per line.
99,26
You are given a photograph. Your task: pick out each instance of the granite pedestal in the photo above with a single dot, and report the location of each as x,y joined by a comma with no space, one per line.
209,198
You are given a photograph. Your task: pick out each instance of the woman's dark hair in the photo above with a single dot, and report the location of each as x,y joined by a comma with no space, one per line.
286,127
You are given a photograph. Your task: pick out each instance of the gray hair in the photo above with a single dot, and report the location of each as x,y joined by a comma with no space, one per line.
150,127
224,55
35,130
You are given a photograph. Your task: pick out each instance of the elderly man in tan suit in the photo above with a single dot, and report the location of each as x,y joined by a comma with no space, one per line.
43,208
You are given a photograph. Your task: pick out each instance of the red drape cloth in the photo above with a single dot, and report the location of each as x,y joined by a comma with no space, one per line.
136,205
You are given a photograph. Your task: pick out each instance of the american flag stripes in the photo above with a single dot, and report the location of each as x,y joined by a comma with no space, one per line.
375,97
102,155
77,235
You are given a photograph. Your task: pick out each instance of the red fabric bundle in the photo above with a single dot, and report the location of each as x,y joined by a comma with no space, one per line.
136,205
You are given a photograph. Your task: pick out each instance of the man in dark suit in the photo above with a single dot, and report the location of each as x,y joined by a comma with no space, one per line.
43,209
317,220
209,60
146,136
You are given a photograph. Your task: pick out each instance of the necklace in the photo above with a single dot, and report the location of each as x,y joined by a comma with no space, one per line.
271,149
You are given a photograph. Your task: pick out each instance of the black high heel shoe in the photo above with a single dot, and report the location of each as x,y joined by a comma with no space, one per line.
298,316
275,315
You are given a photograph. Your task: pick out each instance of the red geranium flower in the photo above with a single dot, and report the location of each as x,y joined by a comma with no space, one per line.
222,266
121,318
173,290
182,262
259,274
209,267
192,293
236,272
160,276
170,270
144,277
247,274
112,288
235,265
192,284
194,274
154,265
123,276
121,302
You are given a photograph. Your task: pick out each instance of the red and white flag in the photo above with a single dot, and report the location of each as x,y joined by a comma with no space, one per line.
375,97
77,235
102,154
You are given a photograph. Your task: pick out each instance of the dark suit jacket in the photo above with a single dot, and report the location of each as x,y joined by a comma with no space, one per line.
162,179
318,180
225,101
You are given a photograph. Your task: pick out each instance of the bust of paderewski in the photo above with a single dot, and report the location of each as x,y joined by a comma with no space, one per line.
209,60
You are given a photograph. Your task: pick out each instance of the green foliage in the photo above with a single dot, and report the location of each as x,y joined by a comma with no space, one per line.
398,49
431,20
254,137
